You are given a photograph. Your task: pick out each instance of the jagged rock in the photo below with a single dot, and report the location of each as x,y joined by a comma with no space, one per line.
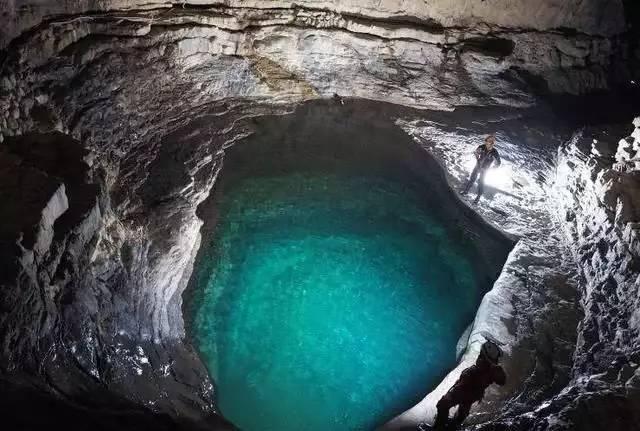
592,17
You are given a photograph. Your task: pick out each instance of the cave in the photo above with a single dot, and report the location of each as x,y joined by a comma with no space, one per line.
341,275
251,214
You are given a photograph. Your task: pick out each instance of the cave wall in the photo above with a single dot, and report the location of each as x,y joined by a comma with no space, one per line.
390,51
149,94
598,186
89,77
599,17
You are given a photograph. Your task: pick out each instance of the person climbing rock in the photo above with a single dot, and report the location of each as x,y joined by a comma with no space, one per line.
485,154
470,387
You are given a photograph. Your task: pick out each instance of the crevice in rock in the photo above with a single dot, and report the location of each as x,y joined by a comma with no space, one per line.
494,47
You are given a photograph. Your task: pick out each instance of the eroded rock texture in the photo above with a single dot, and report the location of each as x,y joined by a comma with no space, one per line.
114,116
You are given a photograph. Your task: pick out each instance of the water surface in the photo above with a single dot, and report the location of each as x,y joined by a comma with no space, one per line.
330,300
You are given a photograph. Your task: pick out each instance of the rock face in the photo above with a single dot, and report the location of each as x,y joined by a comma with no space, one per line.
114,116
532,309
598,194
598,17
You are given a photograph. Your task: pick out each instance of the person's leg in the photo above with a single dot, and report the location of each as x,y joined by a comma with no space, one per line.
472,179
443,406
461,415
483,172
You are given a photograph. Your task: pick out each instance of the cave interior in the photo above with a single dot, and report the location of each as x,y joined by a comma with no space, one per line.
127,128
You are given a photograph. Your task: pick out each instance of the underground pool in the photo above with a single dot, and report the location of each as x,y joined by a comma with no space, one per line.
331,297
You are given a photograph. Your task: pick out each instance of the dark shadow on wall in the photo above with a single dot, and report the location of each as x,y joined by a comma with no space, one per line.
632,15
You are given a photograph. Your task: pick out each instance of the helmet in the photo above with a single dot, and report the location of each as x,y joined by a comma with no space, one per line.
491,351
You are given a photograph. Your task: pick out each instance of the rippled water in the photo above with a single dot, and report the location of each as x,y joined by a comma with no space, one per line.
329,301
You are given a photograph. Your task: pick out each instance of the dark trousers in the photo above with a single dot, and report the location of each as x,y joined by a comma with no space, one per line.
477,171
451,399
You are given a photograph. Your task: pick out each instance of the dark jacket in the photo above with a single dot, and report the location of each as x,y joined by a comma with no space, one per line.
476,379
485,157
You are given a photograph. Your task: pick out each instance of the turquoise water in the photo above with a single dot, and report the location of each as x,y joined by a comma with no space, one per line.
329,302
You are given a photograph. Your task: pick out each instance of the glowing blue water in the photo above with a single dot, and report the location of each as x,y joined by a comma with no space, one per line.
329,302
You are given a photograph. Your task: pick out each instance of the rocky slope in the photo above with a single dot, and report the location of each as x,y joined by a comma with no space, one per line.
113,120
593,195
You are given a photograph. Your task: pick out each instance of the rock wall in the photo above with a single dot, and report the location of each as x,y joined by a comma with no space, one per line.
599,17
532,309
594,197
598,184
603,215
393,51
81,308
138,100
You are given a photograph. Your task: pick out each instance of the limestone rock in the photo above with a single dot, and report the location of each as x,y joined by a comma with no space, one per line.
592,17
135,102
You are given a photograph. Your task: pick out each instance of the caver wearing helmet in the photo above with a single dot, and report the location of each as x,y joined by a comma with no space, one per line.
470,386
486,155
491,352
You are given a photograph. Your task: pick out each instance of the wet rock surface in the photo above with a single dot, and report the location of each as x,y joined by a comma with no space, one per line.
114,117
